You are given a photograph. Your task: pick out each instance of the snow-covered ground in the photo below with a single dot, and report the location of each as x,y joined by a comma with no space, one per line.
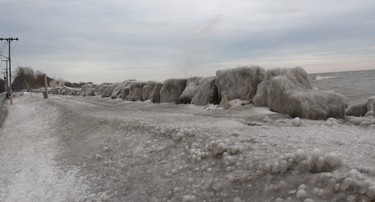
70,148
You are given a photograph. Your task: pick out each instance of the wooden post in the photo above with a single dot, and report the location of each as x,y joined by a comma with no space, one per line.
45,94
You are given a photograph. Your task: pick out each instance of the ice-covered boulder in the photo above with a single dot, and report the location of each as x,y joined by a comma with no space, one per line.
135,91
189,91
118,89
241,82
206,92
70,91
155,92
125,92
371,103
362,109
357,110
88,90
284,96
172,90
145,93
104,89
151,91
297,76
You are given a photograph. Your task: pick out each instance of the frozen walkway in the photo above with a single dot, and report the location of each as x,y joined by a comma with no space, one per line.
28,171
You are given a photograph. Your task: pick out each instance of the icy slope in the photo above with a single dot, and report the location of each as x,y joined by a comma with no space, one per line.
28,170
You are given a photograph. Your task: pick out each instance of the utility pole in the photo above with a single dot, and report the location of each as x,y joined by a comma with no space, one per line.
6,76
10,66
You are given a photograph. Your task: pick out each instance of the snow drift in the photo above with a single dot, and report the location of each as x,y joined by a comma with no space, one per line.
241,82
172,90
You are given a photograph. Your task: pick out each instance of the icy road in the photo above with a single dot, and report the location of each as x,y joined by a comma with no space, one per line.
93,149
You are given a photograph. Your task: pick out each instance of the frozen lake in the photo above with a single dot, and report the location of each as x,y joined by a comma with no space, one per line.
356,86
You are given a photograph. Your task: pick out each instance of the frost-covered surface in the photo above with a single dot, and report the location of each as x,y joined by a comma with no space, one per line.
28,148
140,151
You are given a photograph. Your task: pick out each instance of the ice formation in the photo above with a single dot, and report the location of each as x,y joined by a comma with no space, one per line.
172,90
118,89
206,92
241,82
135,91
190,90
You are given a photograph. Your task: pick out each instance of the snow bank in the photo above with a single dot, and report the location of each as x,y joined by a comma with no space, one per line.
172,90
190,89
206,92
240,82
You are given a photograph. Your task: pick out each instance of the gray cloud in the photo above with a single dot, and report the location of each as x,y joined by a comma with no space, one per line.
101,40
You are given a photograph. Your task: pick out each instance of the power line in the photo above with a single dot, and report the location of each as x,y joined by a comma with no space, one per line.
9,40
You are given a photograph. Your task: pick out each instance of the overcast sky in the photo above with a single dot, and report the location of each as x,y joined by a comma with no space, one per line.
101,40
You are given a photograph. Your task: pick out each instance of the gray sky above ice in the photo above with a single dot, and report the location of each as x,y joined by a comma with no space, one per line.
98,40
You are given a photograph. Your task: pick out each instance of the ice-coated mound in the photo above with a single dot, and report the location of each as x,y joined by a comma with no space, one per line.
290,93
206,92
104,89
297,76
172,90
241,82
135,91
361,121
155,92
125,92
189,92
67,91
118,89
148,89
363,109
88,90
357,110
323,163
